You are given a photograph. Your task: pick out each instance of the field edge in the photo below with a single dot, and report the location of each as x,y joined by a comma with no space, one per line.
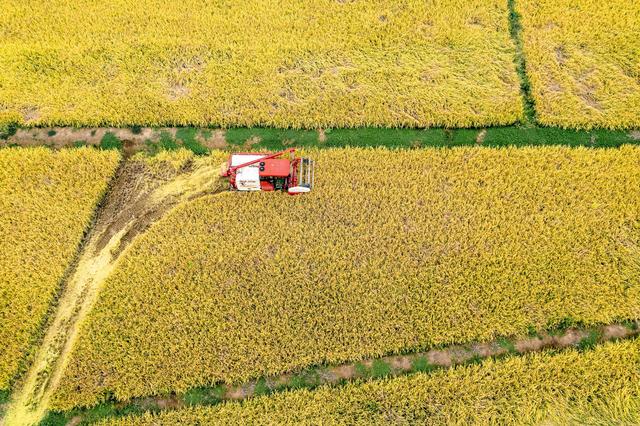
553,340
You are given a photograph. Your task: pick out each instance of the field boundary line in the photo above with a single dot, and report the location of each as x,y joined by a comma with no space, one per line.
515,29
581,338
205,140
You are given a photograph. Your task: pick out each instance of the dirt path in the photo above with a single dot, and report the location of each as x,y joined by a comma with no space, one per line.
138,197
146,139
132,141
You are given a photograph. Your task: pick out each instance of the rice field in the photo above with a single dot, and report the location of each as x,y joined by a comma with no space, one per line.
324,63
393,251
47,200
184,285
583,60
599,387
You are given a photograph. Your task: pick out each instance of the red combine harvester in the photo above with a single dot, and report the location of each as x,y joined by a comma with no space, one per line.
266,172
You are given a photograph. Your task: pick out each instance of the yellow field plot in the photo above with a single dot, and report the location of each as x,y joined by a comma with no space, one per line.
288,63
393,250
46,202
583,60
566,388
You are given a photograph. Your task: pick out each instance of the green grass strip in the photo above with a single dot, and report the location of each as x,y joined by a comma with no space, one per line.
515,29
311,379
274,139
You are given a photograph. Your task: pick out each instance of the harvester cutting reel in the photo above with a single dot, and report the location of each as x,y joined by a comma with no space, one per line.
268,172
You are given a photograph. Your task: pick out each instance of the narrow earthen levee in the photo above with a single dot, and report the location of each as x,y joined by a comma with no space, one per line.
448,357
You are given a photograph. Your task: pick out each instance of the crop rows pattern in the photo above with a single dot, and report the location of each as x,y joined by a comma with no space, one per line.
598,387
392,251
583,60
47,200
241,63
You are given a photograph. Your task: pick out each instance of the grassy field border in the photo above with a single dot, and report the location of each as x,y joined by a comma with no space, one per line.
515,30
419,138
5,394
203,140
310,378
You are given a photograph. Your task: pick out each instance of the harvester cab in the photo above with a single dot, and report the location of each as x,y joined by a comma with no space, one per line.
269,172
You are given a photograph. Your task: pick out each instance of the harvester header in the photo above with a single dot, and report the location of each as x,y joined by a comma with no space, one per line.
269,172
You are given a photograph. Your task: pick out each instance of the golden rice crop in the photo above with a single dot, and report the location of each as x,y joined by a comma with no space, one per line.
288,63
46,202
583,60
393,250
527,390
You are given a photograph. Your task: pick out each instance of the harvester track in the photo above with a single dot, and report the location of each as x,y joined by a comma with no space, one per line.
135,200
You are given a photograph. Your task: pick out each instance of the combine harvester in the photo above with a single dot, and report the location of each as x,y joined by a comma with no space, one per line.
266,172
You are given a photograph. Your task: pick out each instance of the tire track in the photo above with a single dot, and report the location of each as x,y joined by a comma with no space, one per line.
137,198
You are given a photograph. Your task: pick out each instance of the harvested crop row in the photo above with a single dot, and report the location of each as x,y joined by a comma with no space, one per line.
566,388
241,63
47,199
583,60
392,251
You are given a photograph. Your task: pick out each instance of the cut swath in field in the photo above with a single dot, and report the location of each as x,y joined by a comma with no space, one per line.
47,201
392,251
144,189
312,64
599,386
583,61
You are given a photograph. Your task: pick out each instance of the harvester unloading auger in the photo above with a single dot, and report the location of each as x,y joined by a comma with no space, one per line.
267,172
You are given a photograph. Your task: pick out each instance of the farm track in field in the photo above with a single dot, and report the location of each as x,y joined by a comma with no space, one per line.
385,367
135,200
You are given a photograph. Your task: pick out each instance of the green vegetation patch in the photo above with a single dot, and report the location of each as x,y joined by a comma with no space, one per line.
110,141
275,139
